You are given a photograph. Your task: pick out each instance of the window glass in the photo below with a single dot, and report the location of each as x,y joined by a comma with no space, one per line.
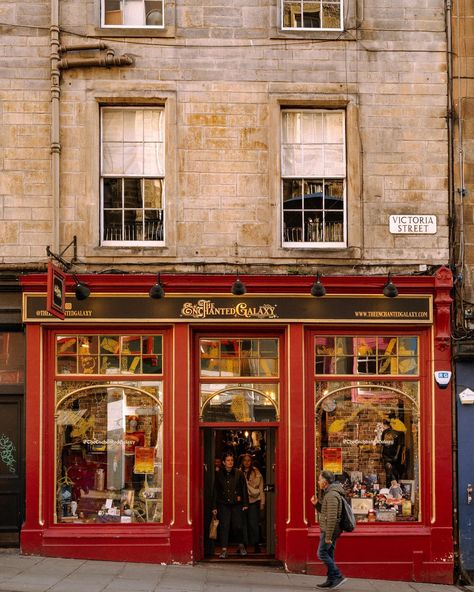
311,14
239,402
367,355
109,354
12,357
133,172
133,13
239,357
368,435
109,453
313,177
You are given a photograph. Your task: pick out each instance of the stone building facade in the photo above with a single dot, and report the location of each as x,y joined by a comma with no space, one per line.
224,72
272,139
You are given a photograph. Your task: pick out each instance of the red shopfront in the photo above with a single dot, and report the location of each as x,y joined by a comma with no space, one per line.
131,401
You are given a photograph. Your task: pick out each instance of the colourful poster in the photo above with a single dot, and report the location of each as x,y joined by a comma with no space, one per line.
144,460
332,460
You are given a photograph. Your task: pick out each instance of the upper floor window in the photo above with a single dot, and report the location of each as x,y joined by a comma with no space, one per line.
325,15
313,167
133,13
132,176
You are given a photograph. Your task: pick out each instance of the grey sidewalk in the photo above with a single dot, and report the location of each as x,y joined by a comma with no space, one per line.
40,574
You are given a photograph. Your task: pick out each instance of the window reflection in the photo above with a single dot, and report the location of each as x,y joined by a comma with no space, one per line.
109,453
239,357
239,403
377,355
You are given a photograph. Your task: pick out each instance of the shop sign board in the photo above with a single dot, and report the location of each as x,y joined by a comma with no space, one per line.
217,308
412,224
56,291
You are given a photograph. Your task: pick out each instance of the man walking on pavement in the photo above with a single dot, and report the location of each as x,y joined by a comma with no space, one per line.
329,508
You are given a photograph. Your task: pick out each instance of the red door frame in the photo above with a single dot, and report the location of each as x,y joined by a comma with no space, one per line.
197,484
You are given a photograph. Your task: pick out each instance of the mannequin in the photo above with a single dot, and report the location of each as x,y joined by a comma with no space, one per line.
392,445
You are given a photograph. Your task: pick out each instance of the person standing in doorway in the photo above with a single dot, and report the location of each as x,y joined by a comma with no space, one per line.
329,508
254,481
230,500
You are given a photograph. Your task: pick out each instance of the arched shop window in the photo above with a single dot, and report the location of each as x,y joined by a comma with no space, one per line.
367,429
243,403
109,451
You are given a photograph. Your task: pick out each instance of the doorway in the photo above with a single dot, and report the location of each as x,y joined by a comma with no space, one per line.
260,444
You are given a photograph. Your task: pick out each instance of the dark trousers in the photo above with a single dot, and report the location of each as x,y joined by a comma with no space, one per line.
251,524
230,515
326,555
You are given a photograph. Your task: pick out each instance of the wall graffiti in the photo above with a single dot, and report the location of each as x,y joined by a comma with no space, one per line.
7,452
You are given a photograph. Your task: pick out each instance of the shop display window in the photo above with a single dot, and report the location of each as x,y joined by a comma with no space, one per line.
239,357
109,452
367,433
375,355
109,354
239,402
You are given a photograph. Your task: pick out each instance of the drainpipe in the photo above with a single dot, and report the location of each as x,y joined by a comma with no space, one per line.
106,61
57,64
55,147
452,238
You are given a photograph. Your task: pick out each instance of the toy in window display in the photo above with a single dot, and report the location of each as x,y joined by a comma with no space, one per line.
392,445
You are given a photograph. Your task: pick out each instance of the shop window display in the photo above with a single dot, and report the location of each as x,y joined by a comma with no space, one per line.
108,452
368,435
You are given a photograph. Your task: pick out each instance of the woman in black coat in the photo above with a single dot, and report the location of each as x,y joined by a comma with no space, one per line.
230,499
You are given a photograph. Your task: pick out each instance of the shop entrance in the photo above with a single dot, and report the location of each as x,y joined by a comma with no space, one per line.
260,444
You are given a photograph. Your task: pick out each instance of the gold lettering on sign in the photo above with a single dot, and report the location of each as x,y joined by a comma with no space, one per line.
203,309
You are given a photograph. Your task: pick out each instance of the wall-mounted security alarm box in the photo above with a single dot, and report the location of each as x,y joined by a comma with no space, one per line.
442,378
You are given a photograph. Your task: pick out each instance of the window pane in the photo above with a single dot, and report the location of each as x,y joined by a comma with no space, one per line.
292,226
311,15
132,193
153,225
239,403
113,159
239,357
113,225
112,121
367,355
112,193
331,15
153,158
109,441
334,163
334,195
313,195
334,227
153,193
109,354
292,189
367,434
133,124
313,223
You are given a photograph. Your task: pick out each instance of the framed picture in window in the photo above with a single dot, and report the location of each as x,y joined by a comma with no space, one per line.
408,488
362,505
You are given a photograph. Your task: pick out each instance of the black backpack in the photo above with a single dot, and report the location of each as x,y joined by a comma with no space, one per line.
347,521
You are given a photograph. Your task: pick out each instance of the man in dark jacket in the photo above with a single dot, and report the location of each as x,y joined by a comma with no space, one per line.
230,499
329,508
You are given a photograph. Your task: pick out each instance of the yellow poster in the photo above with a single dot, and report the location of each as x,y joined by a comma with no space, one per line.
144,460
332,460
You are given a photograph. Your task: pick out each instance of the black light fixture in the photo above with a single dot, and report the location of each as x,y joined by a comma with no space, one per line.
82,290
317,289
157,291
238,287
390,290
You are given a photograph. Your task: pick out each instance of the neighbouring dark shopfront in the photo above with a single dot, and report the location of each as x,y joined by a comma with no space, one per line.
131,402
12,378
